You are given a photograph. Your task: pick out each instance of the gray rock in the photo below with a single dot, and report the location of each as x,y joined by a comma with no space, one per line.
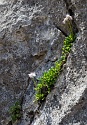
67,103
27,36
29,41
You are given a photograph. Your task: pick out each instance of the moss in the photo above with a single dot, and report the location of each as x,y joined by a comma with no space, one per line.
15,111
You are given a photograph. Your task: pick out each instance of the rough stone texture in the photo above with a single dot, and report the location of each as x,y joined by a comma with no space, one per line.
29,41
67,103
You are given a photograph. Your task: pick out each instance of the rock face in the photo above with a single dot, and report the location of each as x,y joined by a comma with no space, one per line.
30,41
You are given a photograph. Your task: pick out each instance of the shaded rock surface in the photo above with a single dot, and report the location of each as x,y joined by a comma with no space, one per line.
29,41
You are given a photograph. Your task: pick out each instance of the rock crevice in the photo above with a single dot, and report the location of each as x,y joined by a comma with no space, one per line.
31,39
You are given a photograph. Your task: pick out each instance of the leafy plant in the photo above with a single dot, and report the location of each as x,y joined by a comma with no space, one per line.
15,111
68,44
46,82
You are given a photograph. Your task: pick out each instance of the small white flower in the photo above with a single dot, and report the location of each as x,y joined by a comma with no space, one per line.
32,75
64,21
67,18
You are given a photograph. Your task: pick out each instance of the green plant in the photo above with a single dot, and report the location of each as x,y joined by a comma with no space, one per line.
15,111
47,80
68,44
